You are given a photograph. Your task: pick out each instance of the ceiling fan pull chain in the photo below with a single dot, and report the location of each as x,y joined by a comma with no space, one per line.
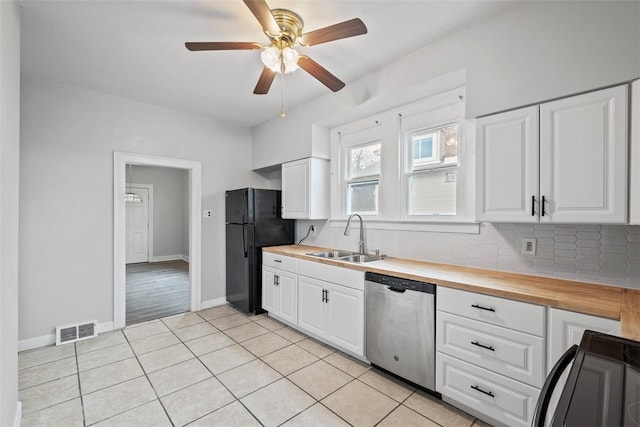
282,67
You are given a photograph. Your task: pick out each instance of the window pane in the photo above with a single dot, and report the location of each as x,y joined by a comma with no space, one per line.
364,161
434,148
362,197
433,193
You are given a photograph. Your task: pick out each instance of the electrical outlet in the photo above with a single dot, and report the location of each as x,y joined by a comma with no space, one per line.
207,213
529,246
313,230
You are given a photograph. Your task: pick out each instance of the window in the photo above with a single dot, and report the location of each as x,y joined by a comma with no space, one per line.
363,178
408,168
431,170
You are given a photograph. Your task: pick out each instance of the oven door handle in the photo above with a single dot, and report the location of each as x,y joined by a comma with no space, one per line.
550,384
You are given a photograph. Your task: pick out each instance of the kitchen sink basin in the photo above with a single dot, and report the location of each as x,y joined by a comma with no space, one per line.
332,254
359,258
346,256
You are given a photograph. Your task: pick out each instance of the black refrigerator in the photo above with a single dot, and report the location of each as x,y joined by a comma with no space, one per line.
253,221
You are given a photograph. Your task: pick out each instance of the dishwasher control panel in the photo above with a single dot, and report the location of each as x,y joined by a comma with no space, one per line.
400,283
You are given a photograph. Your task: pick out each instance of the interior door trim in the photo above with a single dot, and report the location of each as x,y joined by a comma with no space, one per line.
120,161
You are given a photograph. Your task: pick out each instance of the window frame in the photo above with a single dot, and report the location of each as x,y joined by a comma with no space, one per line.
392,185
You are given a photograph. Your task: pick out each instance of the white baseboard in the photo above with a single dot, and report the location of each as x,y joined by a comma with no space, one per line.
213,303
18,418
46,340
162,258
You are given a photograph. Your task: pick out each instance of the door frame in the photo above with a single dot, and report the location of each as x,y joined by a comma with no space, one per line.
120,161
149,188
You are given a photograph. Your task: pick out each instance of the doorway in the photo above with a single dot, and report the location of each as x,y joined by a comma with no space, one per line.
121,161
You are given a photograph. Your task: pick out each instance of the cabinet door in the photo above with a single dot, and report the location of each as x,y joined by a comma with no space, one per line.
287,296
345,318
507,163
311,307
566,328
583,158
269,289
295,189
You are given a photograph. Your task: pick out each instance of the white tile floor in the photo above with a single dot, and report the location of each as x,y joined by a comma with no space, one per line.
216,367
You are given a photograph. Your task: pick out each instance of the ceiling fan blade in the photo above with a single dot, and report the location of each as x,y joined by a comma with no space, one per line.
261,11
193,46
343,30
264,82
320,73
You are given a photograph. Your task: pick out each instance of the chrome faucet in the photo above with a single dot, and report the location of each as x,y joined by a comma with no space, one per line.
346,232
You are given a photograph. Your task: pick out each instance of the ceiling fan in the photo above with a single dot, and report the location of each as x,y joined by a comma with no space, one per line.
284,30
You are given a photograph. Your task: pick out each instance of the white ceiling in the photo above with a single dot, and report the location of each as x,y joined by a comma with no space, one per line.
135,49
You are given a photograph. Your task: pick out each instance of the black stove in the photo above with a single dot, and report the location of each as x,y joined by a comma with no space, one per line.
603,386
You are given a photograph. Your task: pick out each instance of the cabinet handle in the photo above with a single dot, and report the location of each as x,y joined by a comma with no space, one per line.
326,298
488,393
276,280
488,347
493,310
277,260
542,206
323,294
533,204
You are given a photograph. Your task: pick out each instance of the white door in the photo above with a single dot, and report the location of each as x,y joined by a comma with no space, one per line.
288,296
311,306
295,189
583,158
507,163
269,290
345,317
138,227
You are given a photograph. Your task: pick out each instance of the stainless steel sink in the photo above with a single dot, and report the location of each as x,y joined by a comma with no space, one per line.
360,258
346,256
332,254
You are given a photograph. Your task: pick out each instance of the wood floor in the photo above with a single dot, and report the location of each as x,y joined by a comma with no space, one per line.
156,290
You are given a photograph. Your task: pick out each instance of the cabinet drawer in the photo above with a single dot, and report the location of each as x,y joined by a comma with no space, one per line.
281,262
521,316
514,354
505,400
342,276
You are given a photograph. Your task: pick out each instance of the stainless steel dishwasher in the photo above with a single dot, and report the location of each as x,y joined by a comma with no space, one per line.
400,327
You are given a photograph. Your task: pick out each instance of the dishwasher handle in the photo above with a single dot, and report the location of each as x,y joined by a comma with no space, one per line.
395,289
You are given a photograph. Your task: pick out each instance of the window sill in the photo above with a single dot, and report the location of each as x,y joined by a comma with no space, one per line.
421,226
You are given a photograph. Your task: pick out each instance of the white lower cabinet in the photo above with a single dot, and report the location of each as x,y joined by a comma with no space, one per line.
280,287
333,312
475,389
490,355
566,328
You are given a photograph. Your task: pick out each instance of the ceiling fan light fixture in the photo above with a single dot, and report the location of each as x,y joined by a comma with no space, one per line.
274,58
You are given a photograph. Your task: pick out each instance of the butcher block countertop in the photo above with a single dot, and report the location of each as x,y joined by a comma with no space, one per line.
600,300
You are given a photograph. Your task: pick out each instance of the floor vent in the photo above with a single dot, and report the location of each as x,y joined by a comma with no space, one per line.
77,332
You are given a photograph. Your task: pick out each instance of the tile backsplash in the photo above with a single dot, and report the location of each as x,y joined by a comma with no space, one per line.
601,254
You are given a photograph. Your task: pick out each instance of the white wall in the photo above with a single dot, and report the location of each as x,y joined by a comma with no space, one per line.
535,52
9,174
66,178
170,208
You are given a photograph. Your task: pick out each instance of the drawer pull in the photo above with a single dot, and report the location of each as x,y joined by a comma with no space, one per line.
488,347
277,260
488,393
483,308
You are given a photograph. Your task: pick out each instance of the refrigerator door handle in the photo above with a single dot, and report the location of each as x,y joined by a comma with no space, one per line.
244,241
550,384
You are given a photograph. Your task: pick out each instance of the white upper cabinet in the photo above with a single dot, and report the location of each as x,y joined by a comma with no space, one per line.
563,161
634,191
305,189
583,158
507,174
